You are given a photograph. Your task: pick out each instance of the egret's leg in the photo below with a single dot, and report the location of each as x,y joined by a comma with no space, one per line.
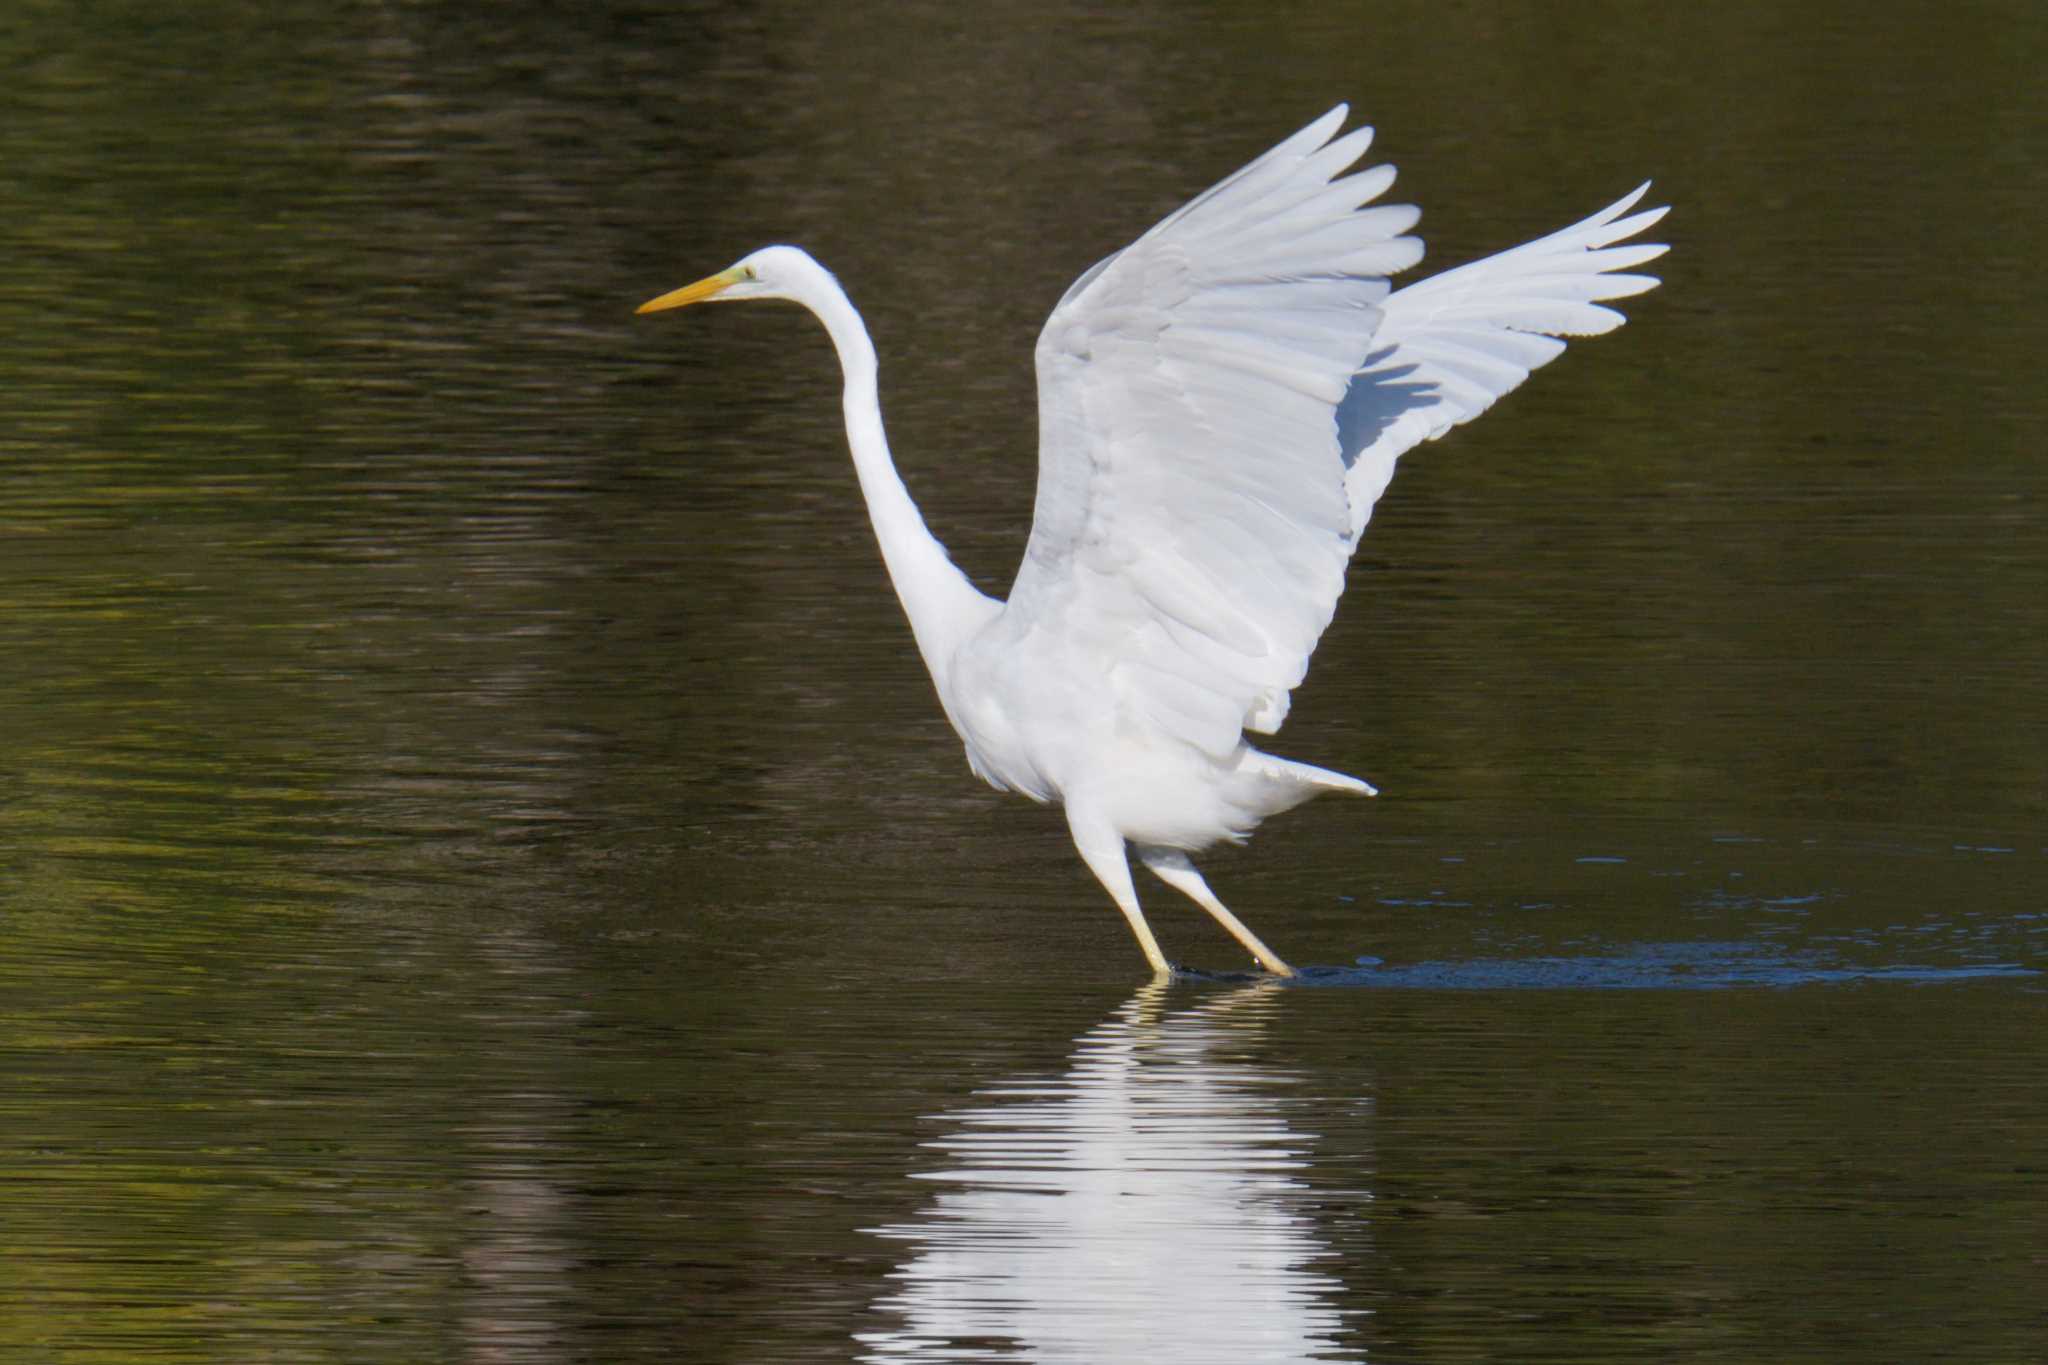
1102,848
1171,866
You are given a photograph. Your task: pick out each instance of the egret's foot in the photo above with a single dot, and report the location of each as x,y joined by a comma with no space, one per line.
1182,972
1269,969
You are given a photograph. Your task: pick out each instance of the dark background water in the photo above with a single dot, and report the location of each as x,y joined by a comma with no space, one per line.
482,876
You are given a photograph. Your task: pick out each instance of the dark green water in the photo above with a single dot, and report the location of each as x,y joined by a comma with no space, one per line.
482,876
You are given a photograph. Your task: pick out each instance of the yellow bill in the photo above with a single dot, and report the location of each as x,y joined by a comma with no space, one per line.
703,289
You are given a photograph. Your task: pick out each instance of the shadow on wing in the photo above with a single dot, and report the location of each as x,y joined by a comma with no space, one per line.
1376,397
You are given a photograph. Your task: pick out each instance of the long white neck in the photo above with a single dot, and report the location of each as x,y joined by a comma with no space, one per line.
943,607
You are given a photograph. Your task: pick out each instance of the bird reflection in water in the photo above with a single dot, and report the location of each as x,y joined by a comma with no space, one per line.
1148,1203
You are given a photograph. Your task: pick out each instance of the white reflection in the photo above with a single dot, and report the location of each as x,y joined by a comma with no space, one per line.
1145,1205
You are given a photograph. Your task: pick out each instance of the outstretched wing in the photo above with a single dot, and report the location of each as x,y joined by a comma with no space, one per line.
1448,346
1196,508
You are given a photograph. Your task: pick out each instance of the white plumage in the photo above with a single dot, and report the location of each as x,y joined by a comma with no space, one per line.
1220,405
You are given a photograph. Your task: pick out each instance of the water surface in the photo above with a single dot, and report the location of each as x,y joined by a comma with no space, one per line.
482,875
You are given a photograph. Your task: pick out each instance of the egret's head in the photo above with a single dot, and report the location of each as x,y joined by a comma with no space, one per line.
773,272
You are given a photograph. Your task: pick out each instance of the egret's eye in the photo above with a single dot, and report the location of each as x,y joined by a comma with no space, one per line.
750,271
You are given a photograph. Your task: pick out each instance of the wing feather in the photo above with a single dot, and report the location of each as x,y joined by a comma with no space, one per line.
1221,402
1448,347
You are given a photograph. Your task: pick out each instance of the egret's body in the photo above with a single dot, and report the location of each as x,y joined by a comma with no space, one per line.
1220,405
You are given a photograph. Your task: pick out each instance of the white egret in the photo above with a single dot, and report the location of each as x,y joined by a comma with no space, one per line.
1219,405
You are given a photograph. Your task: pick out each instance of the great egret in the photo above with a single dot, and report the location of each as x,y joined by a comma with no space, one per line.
1219,406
